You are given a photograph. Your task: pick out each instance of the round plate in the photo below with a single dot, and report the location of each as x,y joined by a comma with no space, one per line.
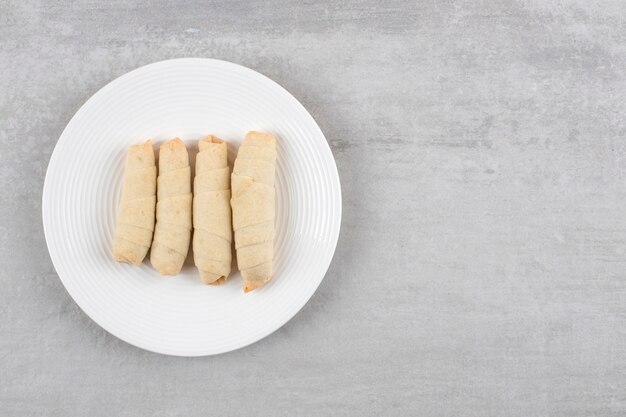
188,98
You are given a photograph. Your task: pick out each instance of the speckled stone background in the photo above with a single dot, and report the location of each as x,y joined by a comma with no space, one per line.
481,268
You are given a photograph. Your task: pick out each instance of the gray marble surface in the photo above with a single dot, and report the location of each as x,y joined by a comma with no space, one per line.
481,267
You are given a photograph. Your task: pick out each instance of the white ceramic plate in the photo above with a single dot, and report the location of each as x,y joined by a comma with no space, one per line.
188,98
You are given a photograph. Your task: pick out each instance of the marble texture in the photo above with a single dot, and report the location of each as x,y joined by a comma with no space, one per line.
481,267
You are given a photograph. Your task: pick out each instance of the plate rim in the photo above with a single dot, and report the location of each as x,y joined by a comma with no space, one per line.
189,60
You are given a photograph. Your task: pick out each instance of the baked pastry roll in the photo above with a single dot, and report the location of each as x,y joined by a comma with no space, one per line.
254,206
212,235
135,218
172,231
